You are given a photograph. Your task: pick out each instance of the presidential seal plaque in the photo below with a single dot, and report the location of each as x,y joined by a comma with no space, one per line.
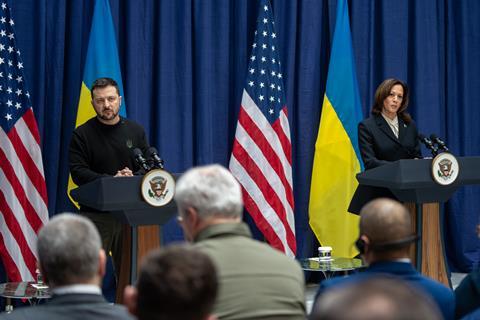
445,168
158,187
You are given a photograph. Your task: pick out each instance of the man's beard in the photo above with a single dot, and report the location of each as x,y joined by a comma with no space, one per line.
103,116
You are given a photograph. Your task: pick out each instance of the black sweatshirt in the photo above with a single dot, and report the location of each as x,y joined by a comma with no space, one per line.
98,150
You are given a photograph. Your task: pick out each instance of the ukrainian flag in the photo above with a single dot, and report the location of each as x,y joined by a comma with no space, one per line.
337,157
101,61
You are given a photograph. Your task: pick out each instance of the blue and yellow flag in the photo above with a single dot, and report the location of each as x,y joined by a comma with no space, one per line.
101,61
337,157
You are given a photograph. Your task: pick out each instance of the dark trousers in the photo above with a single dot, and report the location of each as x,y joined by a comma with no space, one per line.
111,234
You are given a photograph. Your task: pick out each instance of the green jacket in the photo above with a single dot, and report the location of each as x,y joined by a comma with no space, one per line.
256,281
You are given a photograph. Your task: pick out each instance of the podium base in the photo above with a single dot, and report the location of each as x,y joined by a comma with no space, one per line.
428,254
137,242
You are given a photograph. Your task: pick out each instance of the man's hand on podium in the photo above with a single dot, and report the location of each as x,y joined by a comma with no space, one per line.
125,172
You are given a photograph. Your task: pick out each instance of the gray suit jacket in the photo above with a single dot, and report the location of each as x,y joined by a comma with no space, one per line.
71,306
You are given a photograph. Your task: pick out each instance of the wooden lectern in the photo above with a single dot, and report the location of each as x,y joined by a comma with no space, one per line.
121,197
411,182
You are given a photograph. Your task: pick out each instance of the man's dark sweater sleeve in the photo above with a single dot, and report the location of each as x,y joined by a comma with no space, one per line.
79,168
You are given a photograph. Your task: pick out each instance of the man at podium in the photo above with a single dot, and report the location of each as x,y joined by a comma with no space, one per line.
101,147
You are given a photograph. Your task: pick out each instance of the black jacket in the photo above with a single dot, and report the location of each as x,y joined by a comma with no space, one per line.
378,145
71,306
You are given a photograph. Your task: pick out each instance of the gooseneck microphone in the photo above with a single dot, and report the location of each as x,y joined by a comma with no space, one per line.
152,155
441,145
137,153
428,143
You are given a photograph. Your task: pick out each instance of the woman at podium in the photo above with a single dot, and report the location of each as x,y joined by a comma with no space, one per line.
389,134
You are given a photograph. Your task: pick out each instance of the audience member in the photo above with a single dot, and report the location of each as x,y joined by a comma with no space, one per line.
467,294
72,262
256,281
177,282
384,242
380,298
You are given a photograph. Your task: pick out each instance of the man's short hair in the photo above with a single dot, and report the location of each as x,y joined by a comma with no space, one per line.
385,298
176,282
212,190
103,83
384,221
68,249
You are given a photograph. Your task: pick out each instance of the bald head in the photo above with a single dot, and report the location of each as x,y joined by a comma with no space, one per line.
374,298
385,220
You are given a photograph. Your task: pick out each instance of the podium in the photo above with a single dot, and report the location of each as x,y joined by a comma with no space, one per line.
410,181
121,197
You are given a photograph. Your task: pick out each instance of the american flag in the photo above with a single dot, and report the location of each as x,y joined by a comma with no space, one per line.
261,155
23,194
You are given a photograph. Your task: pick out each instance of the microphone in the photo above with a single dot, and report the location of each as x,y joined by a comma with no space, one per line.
428,143
137,153
439,142
153,156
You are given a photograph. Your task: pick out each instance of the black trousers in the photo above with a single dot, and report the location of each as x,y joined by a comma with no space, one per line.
111,234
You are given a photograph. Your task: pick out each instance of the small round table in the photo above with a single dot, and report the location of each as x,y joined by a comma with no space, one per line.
23,290
329,267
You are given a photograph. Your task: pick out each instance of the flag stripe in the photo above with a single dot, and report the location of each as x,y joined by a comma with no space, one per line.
264,215
29,224
13,168
266,155
29,124
28,132
24,244
6,244
250,108
10,182
264,223
263,186
28,163
282,129
269,147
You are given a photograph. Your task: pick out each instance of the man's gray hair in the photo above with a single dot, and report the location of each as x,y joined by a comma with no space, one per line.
68,249
212,190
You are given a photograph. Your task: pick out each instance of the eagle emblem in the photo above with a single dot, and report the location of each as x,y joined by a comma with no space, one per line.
158,187
444,170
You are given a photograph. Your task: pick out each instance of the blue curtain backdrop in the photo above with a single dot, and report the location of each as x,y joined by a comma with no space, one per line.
184,64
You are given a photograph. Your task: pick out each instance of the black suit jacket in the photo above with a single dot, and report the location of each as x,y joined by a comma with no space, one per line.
71,306
378,145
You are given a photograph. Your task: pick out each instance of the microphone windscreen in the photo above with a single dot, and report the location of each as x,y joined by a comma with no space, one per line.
151,151
137,152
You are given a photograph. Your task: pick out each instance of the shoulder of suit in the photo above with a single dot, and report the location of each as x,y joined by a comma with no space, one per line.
370,120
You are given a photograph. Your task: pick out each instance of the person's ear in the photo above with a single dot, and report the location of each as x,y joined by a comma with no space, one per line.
366,243
102,263
192,215
130,295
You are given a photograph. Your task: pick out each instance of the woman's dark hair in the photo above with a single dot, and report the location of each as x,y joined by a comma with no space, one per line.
383,91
